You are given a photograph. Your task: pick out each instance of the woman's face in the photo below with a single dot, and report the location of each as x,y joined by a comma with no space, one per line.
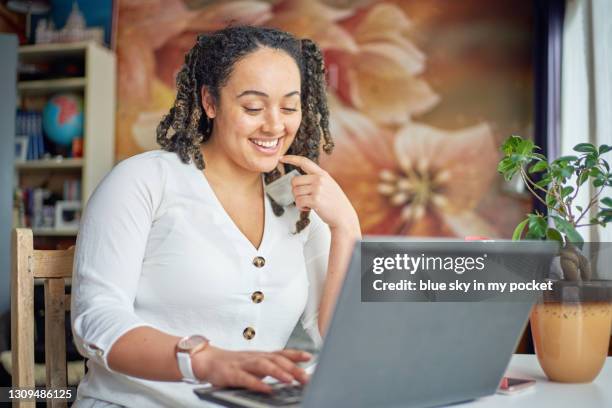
258,112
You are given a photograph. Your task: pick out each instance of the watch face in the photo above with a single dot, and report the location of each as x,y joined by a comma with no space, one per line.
191,342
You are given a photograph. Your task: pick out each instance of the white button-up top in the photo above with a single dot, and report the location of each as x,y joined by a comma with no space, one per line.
156,248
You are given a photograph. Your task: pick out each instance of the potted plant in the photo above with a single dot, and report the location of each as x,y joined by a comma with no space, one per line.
571,325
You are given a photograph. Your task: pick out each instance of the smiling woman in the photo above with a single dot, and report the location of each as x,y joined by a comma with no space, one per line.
265,58
253,106
254,119
184,268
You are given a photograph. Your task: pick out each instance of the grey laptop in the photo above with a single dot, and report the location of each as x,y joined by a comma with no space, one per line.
408,354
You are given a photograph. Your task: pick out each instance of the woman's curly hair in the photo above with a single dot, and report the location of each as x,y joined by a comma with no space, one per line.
209,64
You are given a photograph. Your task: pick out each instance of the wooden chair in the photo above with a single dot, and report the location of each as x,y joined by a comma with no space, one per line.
52,267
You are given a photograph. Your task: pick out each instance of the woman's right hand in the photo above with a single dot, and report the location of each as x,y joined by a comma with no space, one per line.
224,368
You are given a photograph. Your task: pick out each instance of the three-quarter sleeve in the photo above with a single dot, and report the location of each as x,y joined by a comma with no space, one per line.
109,254
316,255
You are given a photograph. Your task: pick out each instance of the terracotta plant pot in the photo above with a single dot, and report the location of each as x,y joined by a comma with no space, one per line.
571,330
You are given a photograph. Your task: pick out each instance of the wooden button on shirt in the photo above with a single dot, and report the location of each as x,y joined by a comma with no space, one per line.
156,248
248,333
259,261
257,297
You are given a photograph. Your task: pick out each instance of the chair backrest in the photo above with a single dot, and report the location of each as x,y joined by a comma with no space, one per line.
53,267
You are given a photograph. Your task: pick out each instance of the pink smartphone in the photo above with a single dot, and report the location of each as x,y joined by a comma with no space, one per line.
511,386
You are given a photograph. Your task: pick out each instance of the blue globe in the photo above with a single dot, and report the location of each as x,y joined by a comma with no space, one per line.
63,118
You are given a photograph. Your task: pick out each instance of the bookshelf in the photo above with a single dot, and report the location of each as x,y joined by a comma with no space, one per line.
51,85
96,86
49,164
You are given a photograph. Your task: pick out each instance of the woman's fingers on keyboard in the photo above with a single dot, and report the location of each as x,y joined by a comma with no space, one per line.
289,366
266,366
248,380
295,355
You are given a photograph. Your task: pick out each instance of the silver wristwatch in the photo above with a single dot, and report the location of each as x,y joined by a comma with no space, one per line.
185,349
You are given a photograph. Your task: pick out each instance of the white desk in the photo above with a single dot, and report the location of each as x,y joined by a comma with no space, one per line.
549,394
544,393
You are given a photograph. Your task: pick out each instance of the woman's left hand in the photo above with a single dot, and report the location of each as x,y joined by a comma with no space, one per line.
317,190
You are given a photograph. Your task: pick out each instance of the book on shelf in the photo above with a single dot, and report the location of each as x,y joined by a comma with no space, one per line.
72,190
42,209
29,124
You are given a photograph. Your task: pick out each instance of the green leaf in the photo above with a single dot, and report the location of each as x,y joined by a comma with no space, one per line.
525,147
554,235
604,149
590,161
602,178
606,213
595,172
579,208
539,156
537,227
567,172
566,159
511,144
505,165
585,148
544,182
539,166
551,200
565,191
555,170
518,231
520,159
507,168
607,201
598,183
584,176
568,229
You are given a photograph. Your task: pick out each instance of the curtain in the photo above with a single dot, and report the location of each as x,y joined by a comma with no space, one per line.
586,92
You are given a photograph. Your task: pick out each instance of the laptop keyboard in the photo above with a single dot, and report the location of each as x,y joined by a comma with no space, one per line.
282,394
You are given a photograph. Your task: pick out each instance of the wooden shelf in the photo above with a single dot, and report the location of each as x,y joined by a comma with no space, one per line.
51,85
61,48
45,52
52,232
49,164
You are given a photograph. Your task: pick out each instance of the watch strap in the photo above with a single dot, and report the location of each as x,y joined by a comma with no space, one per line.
184,364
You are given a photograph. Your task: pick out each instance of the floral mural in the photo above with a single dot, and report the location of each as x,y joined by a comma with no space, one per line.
421,95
